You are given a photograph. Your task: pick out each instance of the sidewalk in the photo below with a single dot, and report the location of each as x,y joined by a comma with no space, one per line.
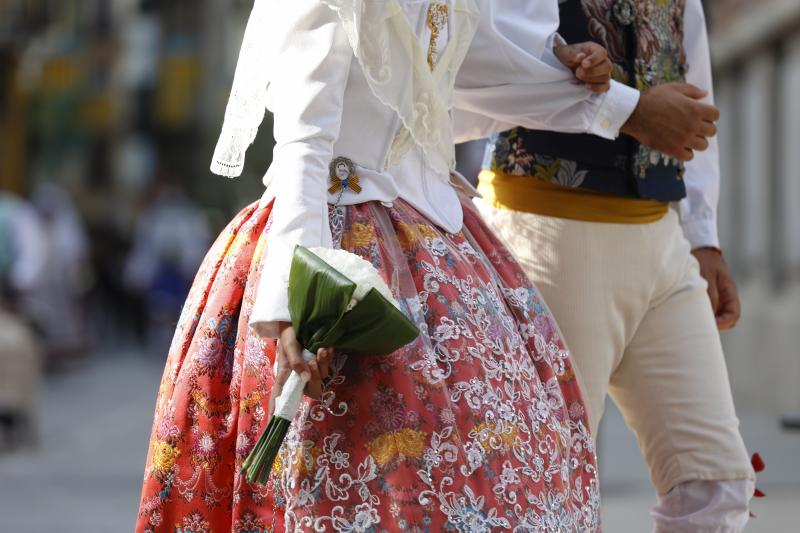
85,475
95,422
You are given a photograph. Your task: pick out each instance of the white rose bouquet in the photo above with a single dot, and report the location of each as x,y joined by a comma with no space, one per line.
336,300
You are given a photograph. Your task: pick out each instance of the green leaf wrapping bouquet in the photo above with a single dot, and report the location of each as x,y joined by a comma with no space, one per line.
336,300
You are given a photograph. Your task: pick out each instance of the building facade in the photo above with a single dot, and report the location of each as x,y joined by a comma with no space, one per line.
756,56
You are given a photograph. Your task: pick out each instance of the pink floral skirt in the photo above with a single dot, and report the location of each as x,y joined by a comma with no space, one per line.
476,426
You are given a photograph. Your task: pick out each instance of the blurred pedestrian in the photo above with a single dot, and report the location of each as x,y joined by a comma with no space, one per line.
65,277
170,239
21,260
20,373
23,248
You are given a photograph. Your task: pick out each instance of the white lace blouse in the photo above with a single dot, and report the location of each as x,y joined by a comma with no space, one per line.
376,82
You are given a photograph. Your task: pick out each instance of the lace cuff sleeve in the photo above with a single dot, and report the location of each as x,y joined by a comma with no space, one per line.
247,101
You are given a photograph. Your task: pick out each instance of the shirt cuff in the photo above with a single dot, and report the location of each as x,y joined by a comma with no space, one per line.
225,169
271,305
266,319
701,233
228,159
617,106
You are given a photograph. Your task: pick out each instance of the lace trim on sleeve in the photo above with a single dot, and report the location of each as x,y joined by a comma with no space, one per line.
247,103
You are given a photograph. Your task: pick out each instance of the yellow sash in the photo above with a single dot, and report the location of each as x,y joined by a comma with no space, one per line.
532,195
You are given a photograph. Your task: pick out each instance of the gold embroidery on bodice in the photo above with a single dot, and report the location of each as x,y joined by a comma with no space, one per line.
436,21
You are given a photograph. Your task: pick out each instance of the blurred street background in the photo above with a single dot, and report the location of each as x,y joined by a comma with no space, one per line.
109,110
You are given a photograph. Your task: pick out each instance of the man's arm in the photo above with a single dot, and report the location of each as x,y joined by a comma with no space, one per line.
698,211
513,75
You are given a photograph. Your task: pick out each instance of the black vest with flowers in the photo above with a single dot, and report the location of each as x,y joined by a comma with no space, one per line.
644,39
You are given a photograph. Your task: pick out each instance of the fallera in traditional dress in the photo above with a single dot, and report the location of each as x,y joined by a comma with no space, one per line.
478,425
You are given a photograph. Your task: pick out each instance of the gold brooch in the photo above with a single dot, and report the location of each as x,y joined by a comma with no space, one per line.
624,12
343,176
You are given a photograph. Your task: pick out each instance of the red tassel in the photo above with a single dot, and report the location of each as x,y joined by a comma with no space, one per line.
757,462
758,466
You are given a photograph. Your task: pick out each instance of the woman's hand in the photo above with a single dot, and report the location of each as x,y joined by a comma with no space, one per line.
589,62
290,358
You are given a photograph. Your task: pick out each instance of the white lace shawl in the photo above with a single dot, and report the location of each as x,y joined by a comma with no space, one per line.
387,50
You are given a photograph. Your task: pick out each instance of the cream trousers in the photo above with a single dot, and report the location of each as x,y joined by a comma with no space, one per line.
634,311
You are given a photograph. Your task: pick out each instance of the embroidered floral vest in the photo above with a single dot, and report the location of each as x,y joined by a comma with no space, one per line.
644,39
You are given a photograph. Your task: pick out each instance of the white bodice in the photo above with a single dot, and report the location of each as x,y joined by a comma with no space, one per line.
377,82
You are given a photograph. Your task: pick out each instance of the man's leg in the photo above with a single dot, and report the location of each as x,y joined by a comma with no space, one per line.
591,276
572,265
672,387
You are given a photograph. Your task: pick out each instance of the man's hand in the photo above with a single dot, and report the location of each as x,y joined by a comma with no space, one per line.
589,62
721,287
670,119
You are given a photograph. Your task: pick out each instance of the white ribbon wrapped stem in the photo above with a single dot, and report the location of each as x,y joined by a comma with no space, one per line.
287,404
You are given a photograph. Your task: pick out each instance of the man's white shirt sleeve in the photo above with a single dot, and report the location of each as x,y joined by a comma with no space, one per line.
698,211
